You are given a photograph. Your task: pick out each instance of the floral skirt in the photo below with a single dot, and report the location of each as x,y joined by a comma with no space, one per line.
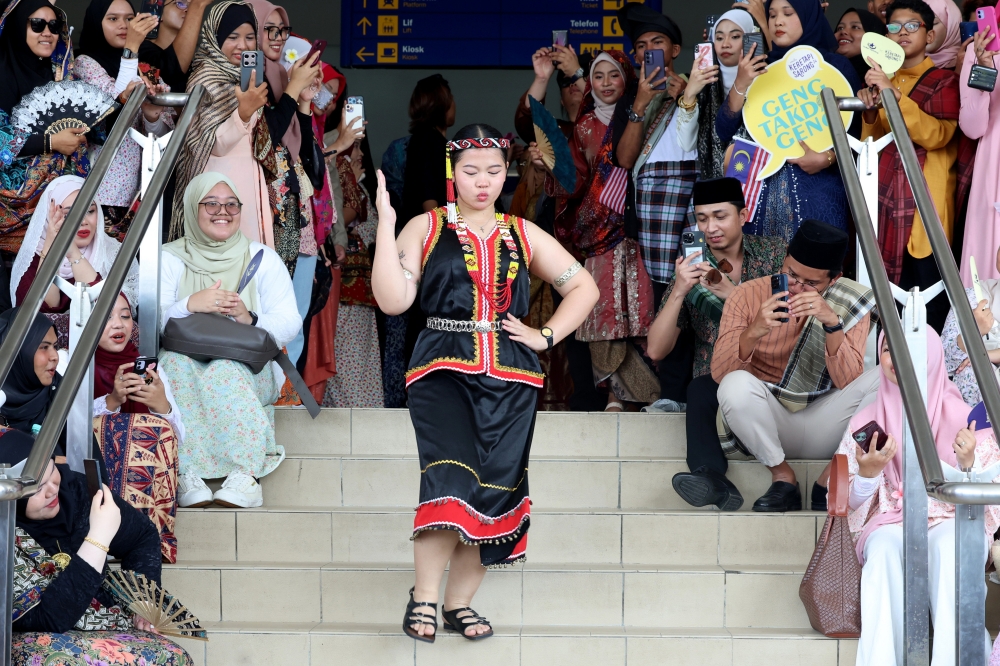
228,416
140,451
625,307
358,382
93,648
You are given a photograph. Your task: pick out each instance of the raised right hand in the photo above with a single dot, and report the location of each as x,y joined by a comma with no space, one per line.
69,140
767,317
751,66
213,299
980,40
253,99
872,463
304,71
348,134
688,273
984,317
140,26
645,93
105,517
55,219
386,213
699,78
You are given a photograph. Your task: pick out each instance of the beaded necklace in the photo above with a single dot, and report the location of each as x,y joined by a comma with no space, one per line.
499,296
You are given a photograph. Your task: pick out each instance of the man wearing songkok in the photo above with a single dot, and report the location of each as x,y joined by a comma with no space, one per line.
789,381
693,302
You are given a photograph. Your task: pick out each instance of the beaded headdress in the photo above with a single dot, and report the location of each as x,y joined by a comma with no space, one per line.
465,144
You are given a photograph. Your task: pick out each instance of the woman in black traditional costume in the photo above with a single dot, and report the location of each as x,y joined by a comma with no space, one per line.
474,374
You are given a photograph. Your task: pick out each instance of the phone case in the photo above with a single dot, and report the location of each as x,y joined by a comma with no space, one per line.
864,436
986,17
654,58
779,283
693,241
710,22
559,37
705,50
355,108
754,38
967,29
155,8
982,78
252,61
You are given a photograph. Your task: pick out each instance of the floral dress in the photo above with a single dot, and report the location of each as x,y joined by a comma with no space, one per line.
953,354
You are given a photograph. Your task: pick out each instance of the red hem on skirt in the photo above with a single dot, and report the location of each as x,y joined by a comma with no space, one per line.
474,527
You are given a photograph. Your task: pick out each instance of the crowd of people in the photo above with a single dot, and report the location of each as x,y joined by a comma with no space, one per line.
475,280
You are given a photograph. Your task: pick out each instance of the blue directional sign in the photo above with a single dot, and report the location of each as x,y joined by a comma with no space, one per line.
467,33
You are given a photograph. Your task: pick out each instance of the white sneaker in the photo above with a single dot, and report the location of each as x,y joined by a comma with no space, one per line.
192,491
665,406
240,491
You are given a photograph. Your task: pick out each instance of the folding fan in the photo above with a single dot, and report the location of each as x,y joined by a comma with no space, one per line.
553,146
155,605
59,105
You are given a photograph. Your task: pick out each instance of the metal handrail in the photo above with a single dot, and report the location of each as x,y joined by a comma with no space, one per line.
913,403
45,443
60,244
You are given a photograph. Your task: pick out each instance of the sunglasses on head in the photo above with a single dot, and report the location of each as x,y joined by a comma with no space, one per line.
38,25
911,26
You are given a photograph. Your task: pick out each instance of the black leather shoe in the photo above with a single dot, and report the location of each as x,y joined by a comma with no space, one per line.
706,486
781,496
818,502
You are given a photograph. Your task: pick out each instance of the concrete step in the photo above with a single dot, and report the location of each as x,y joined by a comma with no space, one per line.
596,482
529,594
365,432
627,537
336,644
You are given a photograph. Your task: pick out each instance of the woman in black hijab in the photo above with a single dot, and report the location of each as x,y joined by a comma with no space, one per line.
854,23
63,537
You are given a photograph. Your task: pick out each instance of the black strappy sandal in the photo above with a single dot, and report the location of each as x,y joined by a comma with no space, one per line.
413,616
453,622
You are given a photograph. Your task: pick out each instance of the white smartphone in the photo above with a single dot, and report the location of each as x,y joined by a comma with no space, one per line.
355,108
978,288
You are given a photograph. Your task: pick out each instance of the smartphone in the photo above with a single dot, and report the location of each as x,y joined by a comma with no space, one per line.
154,8
93,472
967,29
355,108
693,242
318,47
653,58
976,286
142,363
710,22
253,61
704,51
752,38
779,283
322,98
868,432
979,415
986,18
559,38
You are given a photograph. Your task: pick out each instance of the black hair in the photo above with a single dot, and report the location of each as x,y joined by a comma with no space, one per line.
915,6
475,131
430,102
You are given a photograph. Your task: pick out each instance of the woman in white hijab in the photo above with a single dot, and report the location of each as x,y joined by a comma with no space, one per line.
90,255
696,127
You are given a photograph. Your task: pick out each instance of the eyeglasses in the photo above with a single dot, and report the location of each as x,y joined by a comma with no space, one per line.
808,285
274,32
38,25
181,5
911,26
215,207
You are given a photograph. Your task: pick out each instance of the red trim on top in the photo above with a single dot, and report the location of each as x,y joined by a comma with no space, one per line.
454,513
522,231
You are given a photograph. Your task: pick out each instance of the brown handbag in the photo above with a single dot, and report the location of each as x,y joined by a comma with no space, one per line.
831,587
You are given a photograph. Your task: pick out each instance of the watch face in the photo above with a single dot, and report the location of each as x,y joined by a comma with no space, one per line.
546,331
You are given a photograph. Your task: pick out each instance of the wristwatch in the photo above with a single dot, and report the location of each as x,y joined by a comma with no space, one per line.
253,317
570,80
633,117
547,334
128,54
834,329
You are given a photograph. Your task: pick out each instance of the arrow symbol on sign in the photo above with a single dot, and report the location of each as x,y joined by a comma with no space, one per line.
362,53
365,24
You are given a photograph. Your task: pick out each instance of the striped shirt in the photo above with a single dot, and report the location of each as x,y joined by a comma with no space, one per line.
769,358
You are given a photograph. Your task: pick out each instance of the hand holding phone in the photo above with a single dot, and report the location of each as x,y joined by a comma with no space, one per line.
251,62
93,472
779,284
751,38
693,242
653,59
153,8
986,19
867,434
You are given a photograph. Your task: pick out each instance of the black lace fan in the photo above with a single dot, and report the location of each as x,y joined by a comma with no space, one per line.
154,604
59,105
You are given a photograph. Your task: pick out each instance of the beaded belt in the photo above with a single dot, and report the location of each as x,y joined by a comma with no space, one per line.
464,326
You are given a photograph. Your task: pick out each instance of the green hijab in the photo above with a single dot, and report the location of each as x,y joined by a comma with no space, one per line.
207,260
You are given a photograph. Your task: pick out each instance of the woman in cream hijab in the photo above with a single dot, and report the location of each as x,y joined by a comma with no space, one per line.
228,412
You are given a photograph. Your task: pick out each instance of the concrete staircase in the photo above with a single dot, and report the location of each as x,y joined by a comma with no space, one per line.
620,570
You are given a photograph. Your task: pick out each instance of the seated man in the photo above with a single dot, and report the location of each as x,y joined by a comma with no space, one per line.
789,381
693,301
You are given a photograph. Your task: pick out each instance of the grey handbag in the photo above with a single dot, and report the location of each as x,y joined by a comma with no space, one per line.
205,337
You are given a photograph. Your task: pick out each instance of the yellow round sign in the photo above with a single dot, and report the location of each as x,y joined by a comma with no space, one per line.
783,106
886,53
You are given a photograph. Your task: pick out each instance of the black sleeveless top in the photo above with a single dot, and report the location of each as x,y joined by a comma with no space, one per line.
448,291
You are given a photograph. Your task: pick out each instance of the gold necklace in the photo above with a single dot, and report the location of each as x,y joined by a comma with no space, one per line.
61,559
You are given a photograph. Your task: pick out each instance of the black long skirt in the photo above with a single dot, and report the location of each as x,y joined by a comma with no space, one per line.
474,435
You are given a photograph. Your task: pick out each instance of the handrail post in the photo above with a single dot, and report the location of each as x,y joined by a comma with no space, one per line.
916,587
7,510
970,586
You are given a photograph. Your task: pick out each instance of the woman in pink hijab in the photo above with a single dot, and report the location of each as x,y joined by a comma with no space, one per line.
947,39
875,516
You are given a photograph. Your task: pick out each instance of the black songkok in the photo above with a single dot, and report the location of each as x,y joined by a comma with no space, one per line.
718,190
637,19
819,245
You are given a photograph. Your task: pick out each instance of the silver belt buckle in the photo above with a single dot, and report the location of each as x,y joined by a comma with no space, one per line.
483,326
